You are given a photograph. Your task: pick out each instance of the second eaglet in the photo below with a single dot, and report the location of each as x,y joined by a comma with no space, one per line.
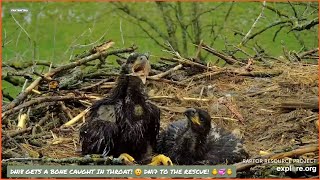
197,141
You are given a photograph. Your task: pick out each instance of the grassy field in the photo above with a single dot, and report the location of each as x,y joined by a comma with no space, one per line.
56,31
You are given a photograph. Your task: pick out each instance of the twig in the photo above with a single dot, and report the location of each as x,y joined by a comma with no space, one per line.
21,27
75,119
188,62
203,75
172,109
301,55
180,98
108,85
228,59
43,135
18,132
269,89
268,27
161,75
258,73
311,104
307,25
167,81
94,85
121,32
39,100
294,10
23,74
246,37
65,110
27,64
22,121
249,67
277,11
232,107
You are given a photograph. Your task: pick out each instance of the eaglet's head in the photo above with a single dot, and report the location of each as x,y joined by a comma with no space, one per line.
137,65
199,120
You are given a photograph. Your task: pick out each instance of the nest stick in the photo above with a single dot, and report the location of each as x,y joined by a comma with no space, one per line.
188,62
202,75
181,98
40,100
232,108
76,119
161,75
228,59
94,85
22,121
19,131
65,110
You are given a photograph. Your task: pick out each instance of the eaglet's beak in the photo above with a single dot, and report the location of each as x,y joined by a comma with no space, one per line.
193,116
141,68
195,120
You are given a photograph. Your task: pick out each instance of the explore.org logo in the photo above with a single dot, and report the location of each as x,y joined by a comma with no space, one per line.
19,10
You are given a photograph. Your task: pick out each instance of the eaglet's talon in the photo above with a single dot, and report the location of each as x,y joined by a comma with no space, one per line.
161,160
127,159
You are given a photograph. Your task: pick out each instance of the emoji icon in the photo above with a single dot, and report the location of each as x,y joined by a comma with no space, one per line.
138,172
214,172
222,171
229,172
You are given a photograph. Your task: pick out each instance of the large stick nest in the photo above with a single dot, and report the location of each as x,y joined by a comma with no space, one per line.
273,109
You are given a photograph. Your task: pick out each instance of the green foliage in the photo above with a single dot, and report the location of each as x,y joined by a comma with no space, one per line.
62,29
57,31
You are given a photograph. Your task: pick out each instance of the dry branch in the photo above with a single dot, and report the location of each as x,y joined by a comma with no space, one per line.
18,132
41,100
245,38
268,89
290,104
27,64
258,73
180,98
307,25
161,75
188,62
76,119
228,59
232,107
312,51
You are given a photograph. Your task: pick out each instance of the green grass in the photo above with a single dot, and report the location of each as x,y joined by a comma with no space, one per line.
58,29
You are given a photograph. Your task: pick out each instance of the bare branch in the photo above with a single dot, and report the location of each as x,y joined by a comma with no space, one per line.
124,8
245,39
170,25
307,25
270,26
277,11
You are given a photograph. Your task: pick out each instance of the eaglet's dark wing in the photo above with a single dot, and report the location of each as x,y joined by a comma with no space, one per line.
154,124
167,138
224,147
99,132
